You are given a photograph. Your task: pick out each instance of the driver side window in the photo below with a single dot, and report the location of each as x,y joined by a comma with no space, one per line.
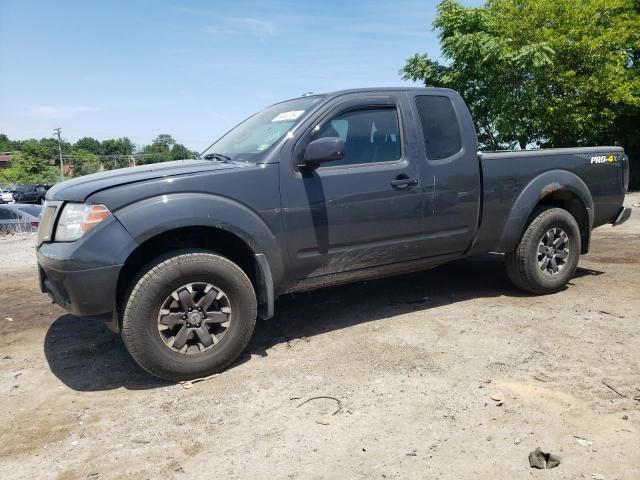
370,136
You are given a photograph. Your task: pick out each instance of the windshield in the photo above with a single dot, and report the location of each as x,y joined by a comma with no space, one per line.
256,134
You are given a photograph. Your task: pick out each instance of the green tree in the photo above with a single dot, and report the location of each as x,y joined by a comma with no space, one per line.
165,140
161,144
153,154
546,72
180,152
50,148
160,150
118,146
36,149
28,168
7,145
88,144
84,162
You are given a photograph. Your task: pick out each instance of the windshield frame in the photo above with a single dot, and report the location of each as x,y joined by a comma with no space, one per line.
259,156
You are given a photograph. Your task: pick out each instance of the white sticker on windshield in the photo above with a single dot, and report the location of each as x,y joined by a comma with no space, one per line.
287,116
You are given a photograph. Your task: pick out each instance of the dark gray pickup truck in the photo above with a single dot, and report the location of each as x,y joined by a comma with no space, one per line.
182,257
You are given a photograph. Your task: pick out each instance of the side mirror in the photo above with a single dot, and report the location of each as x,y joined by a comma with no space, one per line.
323,150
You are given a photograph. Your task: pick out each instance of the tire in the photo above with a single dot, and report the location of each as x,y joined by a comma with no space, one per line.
153,299
526,265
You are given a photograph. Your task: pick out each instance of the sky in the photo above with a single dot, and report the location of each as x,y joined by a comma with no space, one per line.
192,69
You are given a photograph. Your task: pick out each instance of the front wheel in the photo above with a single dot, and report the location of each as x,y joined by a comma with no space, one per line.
547,255
191,314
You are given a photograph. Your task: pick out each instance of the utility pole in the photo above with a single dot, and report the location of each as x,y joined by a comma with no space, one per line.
57,130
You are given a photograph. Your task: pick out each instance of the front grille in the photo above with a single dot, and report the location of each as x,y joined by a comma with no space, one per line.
47,222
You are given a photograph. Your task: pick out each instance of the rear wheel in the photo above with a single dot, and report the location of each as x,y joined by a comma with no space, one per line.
547,255
191,314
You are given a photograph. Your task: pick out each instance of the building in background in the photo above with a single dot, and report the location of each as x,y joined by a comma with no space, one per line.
5,159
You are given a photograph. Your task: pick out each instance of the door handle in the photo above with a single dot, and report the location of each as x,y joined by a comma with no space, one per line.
402,183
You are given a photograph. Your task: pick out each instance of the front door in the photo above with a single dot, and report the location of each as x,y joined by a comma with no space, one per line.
361,211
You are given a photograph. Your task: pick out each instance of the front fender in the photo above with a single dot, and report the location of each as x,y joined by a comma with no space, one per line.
538,188
152,216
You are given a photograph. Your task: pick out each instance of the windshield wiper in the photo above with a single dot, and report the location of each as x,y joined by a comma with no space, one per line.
217,156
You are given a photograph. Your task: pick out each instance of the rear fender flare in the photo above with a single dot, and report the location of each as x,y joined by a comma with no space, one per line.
533,193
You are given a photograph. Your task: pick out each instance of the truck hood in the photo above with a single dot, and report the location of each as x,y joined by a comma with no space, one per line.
78,189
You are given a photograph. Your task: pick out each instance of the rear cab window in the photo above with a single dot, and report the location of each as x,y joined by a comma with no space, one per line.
440,127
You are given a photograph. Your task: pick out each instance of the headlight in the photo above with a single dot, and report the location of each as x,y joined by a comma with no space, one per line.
78,218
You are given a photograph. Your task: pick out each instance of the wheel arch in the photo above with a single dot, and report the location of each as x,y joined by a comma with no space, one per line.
217,224
558,188
212,239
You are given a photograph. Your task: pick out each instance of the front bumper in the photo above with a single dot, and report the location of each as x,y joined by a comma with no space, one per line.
623,216
85,293
82,276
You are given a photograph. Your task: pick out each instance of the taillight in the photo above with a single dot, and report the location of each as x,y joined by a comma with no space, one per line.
35,224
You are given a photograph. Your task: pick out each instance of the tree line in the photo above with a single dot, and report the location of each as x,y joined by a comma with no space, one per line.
38,161
542,73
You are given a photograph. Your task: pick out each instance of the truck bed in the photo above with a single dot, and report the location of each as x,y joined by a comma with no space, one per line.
509,176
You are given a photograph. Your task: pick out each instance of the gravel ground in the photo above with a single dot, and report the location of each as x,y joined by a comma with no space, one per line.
16,252
449,373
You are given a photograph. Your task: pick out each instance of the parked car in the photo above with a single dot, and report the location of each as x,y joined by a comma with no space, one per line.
31,193
19,217
181,257
6,195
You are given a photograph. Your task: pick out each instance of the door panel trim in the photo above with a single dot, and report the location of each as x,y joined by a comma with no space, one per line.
368,273
343,247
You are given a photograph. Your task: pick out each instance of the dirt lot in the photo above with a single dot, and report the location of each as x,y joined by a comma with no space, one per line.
413,361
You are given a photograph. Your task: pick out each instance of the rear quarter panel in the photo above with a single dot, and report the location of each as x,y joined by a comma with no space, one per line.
514,182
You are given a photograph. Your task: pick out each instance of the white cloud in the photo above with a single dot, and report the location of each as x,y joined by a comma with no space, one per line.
225,24
260,28
53,112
